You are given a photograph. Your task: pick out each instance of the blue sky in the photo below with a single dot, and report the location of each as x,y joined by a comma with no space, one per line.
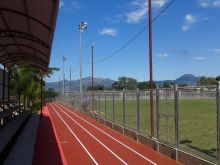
186,38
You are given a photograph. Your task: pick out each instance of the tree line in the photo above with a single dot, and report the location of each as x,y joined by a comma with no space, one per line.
128,83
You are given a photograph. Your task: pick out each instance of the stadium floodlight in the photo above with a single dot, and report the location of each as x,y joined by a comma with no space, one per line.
82,27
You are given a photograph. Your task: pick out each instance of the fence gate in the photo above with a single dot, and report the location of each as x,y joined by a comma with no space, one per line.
166,118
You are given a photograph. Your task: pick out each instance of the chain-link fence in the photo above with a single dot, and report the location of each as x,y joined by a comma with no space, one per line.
184,118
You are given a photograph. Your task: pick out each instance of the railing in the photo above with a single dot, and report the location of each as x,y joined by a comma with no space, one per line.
184,118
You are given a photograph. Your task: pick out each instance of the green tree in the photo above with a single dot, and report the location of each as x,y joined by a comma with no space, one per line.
25,84
217,78
96,88
208,81
167,84
145,85
50,93
125,83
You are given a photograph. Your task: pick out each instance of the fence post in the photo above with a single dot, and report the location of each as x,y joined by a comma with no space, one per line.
158,116
123,115
98,106
92,100
218,121
113,107
176,120
138,112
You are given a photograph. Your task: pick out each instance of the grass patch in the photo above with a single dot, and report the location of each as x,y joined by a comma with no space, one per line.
197,122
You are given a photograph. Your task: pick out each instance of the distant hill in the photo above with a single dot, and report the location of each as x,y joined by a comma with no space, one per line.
107,83
188,79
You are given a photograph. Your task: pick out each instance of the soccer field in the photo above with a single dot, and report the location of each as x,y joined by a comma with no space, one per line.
197,122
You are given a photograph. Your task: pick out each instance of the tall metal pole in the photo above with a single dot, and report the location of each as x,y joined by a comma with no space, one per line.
151,69
176,108
80,63
82,27
92,78
70,80
64,59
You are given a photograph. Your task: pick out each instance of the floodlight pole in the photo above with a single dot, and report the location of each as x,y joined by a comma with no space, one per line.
80,89
92,77
70,80
82,27
151,69
64,58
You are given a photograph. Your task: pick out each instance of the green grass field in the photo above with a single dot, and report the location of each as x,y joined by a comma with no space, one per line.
197,122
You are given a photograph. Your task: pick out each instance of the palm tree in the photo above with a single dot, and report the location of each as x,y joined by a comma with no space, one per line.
25,83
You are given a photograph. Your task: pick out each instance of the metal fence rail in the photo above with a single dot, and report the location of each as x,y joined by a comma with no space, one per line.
184,118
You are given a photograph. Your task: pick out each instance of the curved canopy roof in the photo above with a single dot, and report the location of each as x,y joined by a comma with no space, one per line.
26,32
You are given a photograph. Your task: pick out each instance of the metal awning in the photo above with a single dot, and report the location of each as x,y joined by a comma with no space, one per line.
26,32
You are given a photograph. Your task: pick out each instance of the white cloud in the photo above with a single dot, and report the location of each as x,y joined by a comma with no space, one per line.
108,31
136,16
61,4
163,55
216,50
185,28
159,3
209,3
189,20
75,5
70,6
139,9
204,3
216,4
180,52
200,58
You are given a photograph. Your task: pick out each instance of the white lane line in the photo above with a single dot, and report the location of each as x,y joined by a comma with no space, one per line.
94,137
129,148
75,136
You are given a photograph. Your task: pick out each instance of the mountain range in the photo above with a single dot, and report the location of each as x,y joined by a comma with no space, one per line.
188,79
106,82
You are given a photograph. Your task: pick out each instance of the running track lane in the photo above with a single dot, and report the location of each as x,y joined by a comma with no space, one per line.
103,145
88,143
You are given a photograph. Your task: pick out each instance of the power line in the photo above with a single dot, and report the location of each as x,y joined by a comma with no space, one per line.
135,36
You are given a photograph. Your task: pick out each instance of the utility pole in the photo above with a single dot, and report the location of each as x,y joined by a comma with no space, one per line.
151,69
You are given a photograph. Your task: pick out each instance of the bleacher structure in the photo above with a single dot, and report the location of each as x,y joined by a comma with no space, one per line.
26,36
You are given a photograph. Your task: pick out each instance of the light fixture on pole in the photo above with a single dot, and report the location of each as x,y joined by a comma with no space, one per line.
64,59
82,27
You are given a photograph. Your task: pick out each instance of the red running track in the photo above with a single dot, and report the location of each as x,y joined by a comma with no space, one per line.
85,141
